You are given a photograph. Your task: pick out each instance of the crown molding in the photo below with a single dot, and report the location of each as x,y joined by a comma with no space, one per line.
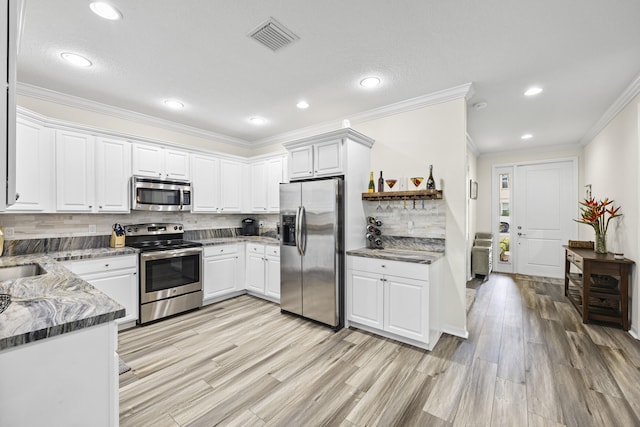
330,136
618,105
465,91
121,113
541,149
472,145
59,124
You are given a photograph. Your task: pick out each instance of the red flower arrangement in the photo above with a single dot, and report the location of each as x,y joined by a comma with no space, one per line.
594,213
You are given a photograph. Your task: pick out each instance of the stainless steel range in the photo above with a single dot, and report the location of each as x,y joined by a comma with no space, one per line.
170,270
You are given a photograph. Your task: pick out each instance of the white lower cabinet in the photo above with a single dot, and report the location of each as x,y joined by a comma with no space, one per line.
263,270
223,267
117,278
393,299
72,376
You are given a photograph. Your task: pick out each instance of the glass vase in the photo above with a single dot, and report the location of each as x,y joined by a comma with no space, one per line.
600,246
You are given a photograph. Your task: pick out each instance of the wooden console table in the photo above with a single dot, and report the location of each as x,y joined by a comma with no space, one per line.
600,291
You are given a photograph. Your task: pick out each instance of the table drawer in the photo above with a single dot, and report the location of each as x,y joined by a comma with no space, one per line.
575,259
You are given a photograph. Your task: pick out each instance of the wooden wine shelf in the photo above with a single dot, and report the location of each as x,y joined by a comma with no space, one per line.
404,195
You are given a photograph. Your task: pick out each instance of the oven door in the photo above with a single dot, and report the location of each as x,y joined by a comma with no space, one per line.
165,274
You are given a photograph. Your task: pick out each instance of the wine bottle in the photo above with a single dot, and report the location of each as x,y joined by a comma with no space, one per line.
431,183
372,186
380,183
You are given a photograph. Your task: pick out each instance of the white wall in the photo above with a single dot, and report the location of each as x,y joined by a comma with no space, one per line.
406,144
611,166
472,168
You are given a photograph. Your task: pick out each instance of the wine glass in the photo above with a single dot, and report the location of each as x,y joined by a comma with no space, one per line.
391,183
416,180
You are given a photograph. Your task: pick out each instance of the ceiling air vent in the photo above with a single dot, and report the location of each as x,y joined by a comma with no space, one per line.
273,34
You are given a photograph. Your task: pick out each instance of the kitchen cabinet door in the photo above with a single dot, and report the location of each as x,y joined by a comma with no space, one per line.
272,272
231,178
75,178
406,307
116,277
148,160
255,268
220,275
259,184
301,162
34,168
176,164
113,175
274,178
327,158
365,298
205,183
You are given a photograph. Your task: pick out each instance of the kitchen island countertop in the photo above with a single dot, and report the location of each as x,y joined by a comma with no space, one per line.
50,304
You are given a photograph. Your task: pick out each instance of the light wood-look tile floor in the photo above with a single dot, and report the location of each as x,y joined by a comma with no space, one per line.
528,361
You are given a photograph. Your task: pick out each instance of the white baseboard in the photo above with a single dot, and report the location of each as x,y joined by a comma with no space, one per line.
455,331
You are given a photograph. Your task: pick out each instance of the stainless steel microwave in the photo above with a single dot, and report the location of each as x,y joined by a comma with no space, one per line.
151,194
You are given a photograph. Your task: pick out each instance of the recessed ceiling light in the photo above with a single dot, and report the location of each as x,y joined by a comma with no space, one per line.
302,105
75,59
533,91
526,136
105,10
257,120
370,82
173,104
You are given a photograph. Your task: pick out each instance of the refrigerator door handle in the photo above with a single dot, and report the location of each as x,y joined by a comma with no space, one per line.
297,236
303,231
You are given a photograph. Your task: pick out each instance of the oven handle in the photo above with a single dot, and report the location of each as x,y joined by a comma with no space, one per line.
150,256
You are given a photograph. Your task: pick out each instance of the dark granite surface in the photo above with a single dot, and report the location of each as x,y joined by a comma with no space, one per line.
404,255
271,241
50,304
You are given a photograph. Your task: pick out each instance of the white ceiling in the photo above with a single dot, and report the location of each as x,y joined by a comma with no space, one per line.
584,53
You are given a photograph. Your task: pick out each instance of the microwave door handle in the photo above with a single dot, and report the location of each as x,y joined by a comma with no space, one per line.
181,197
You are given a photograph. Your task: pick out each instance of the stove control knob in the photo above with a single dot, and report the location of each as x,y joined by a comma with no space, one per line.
180,227
175,227
128,230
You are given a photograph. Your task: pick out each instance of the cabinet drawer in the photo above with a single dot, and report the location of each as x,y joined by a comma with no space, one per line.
220,250
272,250
99,265
255,248
393,268
575,259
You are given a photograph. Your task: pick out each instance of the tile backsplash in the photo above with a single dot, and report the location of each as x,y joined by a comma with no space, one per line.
425,221
31,226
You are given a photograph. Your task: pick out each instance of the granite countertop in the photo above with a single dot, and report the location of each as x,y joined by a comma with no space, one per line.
51,304
78,254
404,255
238,239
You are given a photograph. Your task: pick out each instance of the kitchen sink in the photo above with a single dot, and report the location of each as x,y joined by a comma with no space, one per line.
20,271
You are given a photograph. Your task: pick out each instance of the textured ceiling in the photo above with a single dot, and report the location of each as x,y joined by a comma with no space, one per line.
584,53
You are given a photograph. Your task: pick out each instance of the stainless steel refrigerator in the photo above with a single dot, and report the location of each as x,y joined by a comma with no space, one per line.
312,250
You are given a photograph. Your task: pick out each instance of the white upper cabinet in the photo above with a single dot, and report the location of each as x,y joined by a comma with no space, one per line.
231,188
34,168
316,160
218,184
327,158
258,186
157,162
266,176
75,178
113,174
301,162
176,164
205,183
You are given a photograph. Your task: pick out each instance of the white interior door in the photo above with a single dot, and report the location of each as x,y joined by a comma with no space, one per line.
545,201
